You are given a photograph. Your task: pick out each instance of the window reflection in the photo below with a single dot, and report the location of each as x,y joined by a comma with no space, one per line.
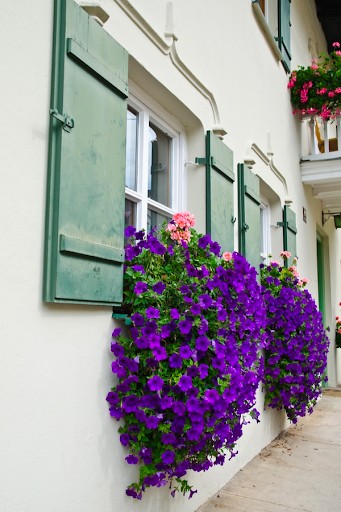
131,149
159,164
156,219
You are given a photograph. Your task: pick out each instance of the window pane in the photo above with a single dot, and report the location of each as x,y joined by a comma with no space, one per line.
156,219
159,177
130,213
131,149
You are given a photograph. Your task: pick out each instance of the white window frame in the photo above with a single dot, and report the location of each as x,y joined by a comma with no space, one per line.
149,111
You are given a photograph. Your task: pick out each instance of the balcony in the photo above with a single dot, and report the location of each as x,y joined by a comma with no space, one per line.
321,160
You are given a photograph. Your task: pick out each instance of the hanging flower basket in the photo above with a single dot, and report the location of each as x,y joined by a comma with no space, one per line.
189,366
316,89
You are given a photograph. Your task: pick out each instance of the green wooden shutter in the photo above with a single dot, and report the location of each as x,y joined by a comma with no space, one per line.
289,234
249,230
219,191
284,25
84,249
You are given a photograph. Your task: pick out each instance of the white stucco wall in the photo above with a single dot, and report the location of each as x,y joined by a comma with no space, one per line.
59,451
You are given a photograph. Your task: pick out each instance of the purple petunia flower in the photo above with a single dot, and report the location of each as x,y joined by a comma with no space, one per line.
205,301
155,246
124,439
140,287
211,396
152,312
138,268
154,340
169,438
168,457
132,459
202,343
185,383
196,309
152,422
185,326
175,361
117,349
137,319
174,313
179,408
116,332
185,352
129,231
160,353
116,412
166,402
165,331
203,370
204,241
155,383
159,287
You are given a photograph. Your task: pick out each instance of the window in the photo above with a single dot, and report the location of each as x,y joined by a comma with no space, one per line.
154,156
265,233
274,17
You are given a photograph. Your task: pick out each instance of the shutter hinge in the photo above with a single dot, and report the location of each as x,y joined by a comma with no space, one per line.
200,161
68,122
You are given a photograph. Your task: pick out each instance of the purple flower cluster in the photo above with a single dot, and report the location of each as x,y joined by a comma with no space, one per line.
189,367
296,353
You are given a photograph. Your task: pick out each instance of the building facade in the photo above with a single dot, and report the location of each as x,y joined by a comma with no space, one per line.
124,112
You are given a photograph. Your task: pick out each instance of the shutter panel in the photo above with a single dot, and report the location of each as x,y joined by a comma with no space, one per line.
219,192
249,233
284,25
289,234
84,248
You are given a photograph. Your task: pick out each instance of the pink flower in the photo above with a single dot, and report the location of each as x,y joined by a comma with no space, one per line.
294,271
338,90
336,45
227,256
338,53
331,94
184,219
314,67
325,112
323,90
285,254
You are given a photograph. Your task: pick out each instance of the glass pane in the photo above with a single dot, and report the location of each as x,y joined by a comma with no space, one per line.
131,149
130,213
156,219
159,175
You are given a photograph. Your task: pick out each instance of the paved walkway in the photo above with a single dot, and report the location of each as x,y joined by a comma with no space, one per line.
300,470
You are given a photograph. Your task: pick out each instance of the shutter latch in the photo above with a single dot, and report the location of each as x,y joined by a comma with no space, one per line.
68,122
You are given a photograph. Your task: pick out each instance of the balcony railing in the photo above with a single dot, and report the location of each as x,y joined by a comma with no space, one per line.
321,160
321,140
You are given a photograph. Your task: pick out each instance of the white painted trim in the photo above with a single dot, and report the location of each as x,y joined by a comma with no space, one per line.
167,47
267,32
268,160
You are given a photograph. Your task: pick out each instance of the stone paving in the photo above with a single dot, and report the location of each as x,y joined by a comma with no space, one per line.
300,470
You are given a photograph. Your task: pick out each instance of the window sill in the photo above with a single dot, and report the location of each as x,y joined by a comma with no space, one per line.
265,27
